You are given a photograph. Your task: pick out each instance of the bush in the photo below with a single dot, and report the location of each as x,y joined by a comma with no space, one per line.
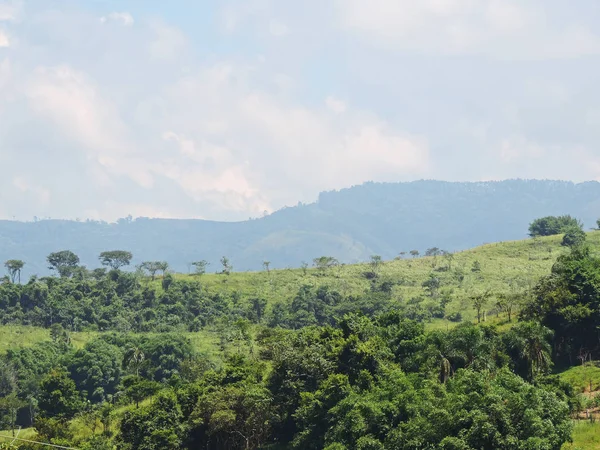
455,317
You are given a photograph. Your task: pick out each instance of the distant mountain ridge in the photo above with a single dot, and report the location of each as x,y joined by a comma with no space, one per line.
350,224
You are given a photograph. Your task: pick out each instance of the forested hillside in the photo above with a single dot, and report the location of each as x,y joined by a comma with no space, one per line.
490,348
350,225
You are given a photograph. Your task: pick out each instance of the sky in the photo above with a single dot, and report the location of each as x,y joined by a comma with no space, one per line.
227,109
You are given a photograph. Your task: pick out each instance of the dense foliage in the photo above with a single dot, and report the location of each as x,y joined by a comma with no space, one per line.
319,370
548,226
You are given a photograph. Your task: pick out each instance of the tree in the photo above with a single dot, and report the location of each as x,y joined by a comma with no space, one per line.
163,266
480,300
508,302
157,426
433,251
323,263
151,267
226,266
10,405
58,396
304,267
551,225
96,369
568,302
133,360
115,258
63,262
200,267
375,263
266,265
14,266
531,341
414,253
574,236
137,389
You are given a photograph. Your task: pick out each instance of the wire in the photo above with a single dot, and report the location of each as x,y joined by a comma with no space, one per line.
36,442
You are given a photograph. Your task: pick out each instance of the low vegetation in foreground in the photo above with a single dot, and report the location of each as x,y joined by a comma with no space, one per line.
491,348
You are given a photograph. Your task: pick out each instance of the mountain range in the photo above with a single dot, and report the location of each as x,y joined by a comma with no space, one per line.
350,224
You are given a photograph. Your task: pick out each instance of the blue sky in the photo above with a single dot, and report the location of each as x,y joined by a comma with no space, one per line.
226,109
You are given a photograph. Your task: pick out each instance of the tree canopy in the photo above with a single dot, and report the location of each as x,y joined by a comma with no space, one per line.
63,262
550,225
115,259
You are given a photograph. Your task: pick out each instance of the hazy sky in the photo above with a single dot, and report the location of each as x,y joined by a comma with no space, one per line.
223,109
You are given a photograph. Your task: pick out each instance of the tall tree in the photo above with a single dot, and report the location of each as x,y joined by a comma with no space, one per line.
226,265
151,267
10,405
14,266
375,263
134,358
115,258
480,300
323,263
200,267
63,262
163,266
58,396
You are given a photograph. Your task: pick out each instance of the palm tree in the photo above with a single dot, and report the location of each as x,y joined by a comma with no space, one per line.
533,343
134,358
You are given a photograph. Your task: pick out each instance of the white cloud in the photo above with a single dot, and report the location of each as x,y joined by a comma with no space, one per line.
518,148
113,108
4,41
337,106
278,28
500,28
167,41
40,194
289,147
124,18
74,104
9,10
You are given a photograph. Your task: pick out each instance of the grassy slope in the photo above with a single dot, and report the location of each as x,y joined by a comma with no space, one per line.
586,436
525,261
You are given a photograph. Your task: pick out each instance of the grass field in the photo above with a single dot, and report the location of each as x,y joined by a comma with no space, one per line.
586,436
520,263
584,378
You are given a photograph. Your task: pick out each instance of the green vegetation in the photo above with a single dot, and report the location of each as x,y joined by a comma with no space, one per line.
438,352
586,435
584,378
551,225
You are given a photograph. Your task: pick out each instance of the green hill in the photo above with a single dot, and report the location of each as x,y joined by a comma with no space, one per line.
350,225
517,263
